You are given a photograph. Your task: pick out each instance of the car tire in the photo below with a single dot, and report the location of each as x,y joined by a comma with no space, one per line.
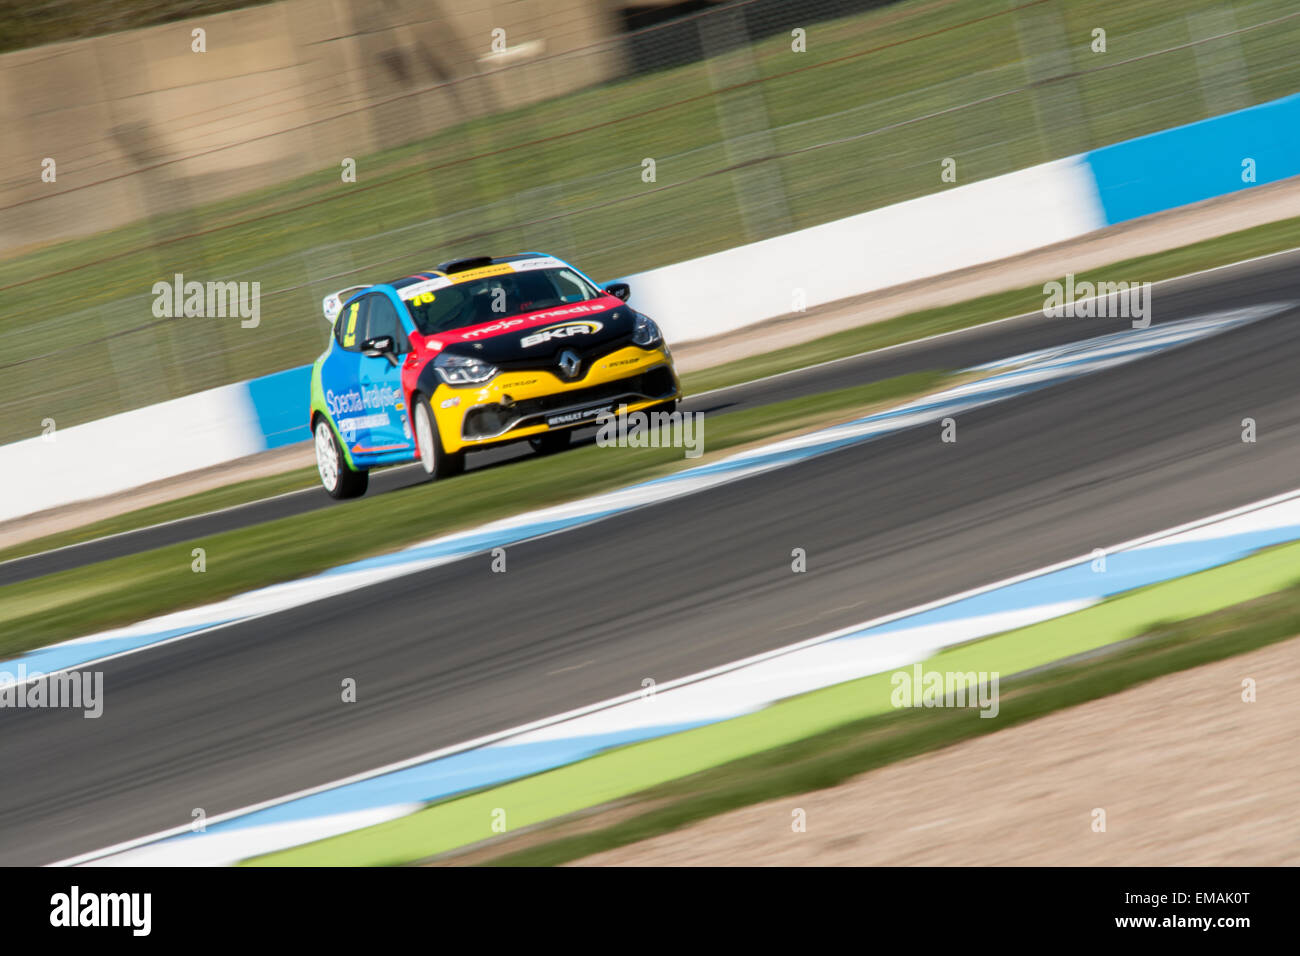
339,480
434,459
548,443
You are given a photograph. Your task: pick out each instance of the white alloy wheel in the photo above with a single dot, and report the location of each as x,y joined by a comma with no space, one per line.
327,456
424,438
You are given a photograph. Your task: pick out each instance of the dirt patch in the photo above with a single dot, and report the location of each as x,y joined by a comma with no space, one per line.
1186,772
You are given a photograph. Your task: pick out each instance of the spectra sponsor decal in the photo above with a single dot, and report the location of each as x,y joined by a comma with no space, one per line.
361,400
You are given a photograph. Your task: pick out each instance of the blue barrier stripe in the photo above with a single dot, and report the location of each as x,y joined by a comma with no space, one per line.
1188,164
281,402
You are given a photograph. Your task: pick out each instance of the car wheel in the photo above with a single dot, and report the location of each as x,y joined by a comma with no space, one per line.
548,443
436,462
339,480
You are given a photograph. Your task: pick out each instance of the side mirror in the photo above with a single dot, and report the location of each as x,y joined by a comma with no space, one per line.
619,290
380,347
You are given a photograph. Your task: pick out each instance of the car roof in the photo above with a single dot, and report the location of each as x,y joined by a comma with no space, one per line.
443,268
452,266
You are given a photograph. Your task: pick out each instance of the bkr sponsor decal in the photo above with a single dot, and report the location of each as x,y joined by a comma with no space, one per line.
560,332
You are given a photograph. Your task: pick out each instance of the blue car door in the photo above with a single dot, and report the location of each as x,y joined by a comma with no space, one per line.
388,429
340,373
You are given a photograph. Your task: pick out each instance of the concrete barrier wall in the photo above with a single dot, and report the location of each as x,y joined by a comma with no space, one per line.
159,441
127,450
960,227
140,125
719,293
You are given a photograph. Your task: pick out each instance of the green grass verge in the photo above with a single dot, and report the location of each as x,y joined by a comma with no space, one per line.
821,738
227,496
134,587
860,120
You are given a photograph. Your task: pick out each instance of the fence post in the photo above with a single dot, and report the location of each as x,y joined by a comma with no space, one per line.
744,125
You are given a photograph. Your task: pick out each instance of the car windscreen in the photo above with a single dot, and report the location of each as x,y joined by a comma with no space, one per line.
480,301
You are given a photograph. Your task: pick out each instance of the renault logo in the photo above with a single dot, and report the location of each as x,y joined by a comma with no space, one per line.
570,363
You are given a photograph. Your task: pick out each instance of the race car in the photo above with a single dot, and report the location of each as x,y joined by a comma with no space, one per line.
474,354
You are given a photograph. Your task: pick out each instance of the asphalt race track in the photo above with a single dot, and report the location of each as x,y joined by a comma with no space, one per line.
253,711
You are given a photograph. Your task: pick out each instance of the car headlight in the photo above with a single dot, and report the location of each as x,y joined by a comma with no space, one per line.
645,333
463,369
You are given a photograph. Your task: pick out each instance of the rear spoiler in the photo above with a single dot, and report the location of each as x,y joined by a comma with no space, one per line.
332,304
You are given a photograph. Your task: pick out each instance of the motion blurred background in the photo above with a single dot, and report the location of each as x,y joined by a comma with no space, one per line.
484,126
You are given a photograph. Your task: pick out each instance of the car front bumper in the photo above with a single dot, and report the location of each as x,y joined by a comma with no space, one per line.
520,404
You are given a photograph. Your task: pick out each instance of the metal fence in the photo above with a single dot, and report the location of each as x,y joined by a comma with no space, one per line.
740,135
